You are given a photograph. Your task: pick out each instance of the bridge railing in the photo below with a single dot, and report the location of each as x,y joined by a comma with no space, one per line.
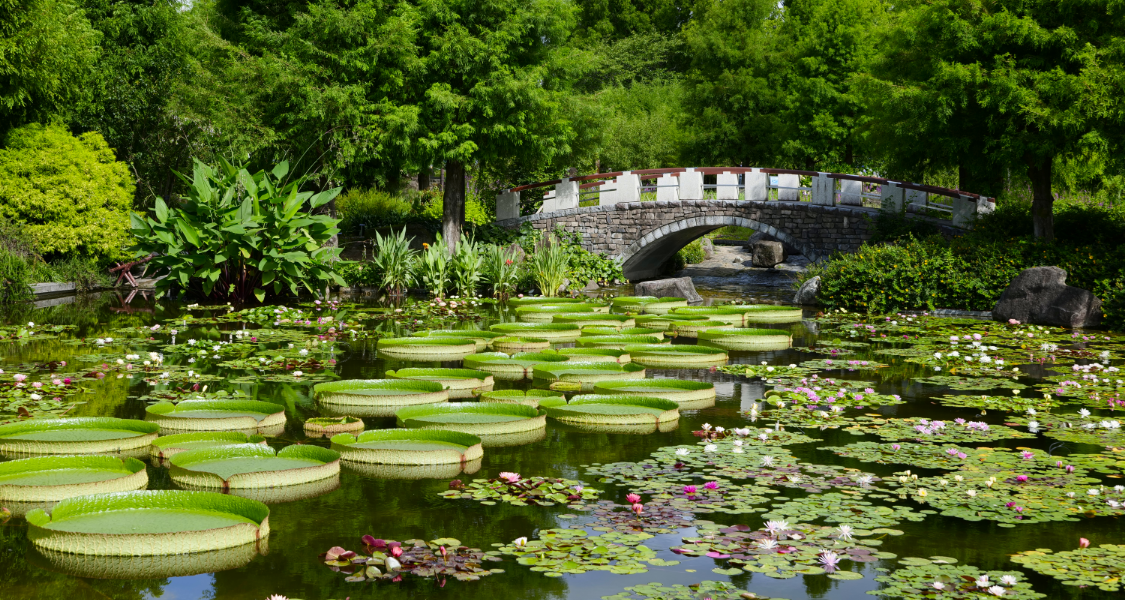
748,183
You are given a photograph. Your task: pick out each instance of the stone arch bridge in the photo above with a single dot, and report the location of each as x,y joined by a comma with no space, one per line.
818,219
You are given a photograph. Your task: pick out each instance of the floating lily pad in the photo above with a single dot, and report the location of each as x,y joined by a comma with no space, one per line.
1078,428
426,349
512,344
595,355
512,368
957,382
460,383
476,419
565,551
52,478
648,304
217,415
379,397
409,447
611,409
737,338
83,435
935,431
139,523
678,356
844,509
594,320
619,342
530,397
543,313
330,426
165,447
556,333
688,394
961,582
253,466
389,560
716,590
483,339
586,374
1009,403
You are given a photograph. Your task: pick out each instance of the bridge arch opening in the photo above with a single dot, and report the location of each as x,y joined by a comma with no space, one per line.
644,257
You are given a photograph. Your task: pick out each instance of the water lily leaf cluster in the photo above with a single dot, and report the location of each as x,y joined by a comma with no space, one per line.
935,431
389,560
962,383
537,491
839,508
1080,428
570,551
1011,403
1101,566
956,582
715,590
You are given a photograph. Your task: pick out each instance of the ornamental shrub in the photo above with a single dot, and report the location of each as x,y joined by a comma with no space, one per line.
67,193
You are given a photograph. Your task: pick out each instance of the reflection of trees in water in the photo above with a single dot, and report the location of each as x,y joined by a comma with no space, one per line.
20,580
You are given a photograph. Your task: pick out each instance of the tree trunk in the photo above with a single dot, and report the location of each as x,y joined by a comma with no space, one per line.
1042,199
453,204
424,179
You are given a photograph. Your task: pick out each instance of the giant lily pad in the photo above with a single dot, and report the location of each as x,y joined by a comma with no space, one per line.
165,447
648,304
594,320
84,435
586,374
678,356
461,383
409,447
544,313
595,330
765,313
146,567
217,415
595,355
253,466
51,478
536,300
483,339
149,523
556,333
475,419
611,409
330,426
512,368
512,344
426,349
379,397
666,321
736,338
530,397
688,394
732,315
619,342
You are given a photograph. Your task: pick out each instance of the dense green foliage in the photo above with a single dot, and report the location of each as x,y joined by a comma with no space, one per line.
971,271
68,193
238,235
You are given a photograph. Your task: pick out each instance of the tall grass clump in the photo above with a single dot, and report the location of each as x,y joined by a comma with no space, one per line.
395,260
433,267
465,267
501,271
549,265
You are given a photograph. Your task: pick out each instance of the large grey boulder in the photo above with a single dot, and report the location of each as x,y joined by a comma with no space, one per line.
768,254
758,236
679,287
708,248
1041,296
806,294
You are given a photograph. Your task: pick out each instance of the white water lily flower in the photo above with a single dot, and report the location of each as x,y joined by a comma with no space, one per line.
983,582
520,542
767,544
972,493
997,590
845,532
1008,580
392,563
710,448
1084,413
767,461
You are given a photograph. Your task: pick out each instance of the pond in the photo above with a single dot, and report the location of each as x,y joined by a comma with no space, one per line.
925,421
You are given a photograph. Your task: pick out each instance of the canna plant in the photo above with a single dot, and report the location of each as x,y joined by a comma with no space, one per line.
465,267
501,270
549,265
395,260
237,235
433,267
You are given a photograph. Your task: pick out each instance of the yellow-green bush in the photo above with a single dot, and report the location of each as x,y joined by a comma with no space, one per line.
67,193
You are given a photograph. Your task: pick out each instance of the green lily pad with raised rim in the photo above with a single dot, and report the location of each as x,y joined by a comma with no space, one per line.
461,383
594,320
766,313
253,466
167,446
409,447
724,314
533,300
596,330
595,355
82,435
676,356
688,394
483,339
530,397
648,304
666,321
544,313
586,374
148,523
514,367
740,338
512,344
52,478
473,418
379,397
146,567
217,415
330,426
619,342
556,333
426,349
612,409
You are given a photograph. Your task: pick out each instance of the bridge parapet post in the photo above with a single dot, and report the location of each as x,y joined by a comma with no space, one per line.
823,190
851,192
628,187
566,195
757,185
787,184
667,188
691,185
726,187
507,205
966,209
891,197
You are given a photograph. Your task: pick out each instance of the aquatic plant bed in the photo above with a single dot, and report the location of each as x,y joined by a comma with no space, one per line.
148,523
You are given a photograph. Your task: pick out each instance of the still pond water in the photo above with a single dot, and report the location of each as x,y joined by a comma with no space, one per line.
405,509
